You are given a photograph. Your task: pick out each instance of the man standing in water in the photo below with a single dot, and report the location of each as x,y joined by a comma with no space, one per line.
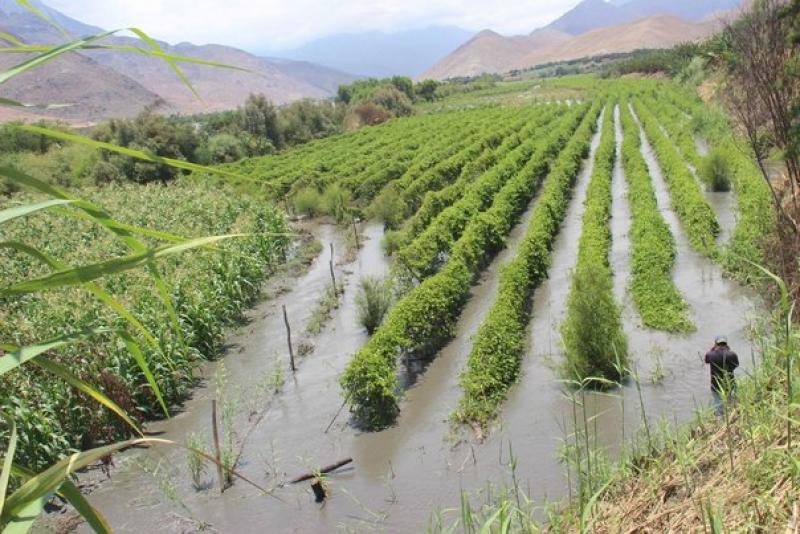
722,361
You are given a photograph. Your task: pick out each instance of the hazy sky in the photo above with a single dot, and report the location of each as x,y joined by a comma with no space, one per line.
263,24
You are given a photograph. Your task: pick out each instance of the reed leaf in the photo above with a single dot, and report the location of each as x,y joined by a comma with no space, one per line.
20,355
46,482
49,55
87,273
8,461
40,14
136,352
11,39
70,493
21,211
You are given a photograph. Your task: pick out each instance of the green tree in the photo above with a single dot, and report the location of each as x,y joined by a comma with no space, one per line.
259,118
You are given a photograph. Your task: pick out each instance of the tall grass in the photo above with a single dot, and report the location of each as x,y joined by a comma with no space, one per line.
374,298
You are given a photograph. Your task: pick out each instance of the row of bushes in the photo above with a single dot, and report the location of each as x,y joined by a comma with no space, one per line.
659,302
688,201
424,319
209,289
434,202
427,252
595,345
497,349
401,198
756,216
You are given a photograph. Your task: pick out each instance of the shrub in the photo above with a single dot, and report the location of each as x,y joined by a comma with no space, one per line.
388,207
374,298
307,201
593,337
716,171
335,202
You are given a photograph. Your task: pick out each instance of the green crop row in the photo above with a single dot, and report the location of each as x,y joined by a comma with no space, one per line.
659,302
756,216
425,254
447,170
434,202
209,289
424,319
595,346
696,215
498,346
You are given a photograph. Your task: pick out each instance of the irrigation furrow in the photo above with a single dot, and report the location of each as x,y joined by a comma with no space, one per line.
424,318
429,250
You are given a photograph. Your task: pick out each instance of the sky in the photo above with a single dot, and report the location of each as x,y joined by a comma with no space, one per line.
281,24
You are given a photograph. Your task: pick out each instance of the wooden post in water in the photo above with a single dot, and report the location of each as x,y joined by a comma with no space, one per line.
319,490
289,339
333,276
355,233
217,454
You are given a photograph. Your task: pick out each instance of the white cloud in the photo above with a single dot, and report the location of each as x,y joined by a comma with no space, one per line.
274,24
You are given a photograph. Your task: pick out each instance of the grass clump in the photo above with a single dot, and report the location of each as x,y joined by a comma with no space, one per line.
307,202
374,298
323,311
716,171
335,201
195,461
389,208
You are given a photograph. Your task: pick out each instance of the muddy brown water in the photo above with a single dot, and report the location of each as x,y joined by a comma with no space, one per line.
400,476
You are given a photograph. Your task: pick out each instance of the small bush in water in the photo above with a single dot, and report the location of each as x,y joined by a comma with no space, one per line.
307,202
716,172
373,301
389,208
196,462
336,202
594,342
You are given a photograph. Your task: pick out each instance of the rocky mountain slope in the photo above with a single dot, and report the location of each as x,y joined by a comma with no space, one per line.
104,84
593,27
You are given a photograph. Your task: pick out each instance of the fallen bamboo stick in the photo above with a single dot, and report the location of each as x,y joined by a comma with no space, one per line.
323,471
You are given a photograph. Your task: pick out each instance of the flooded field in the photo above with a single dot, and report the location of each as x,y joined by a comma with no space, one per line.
399,477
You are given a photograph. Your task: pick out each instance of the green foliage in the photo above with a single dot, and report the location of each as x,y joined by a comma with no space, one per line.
374,298
307,201
688,201
659,302
424,319
671,61
388,207
595,345
208,292
716,171
497,348
335,201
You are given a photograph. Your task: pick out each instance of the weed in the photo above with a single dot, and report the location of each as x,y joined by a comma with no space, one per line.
374,298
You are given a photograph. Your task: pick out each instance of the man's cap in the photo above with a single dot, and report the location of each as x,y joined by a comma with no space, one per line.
719,340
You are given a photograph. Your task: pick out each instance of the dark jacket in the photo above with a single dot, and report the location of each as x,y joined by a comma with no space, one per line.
722,361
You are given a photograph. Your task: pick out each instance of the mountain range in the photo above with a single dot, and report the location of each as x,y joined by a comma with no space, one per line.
593,27
379,54
101,84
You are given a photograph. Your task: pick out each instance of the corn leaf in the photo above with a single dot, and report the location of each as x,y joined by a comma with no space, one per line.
101,294
73,495
8,461
21,211
67,375
22,522
50,479
136,352
15,358
87,273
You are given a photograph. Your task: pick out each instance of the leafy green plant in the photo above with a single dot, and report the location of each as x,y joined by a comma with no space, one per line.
374,298
196,462
335,201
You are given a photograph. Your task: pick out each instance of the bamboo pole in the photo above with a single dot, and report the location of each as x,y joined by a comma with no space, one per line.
289,339
217,454
333,276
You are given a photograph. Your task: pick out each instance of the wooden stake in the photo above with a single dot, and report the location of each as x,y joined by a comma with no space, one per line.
217,454
333,276
289,339
355,233
319,490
